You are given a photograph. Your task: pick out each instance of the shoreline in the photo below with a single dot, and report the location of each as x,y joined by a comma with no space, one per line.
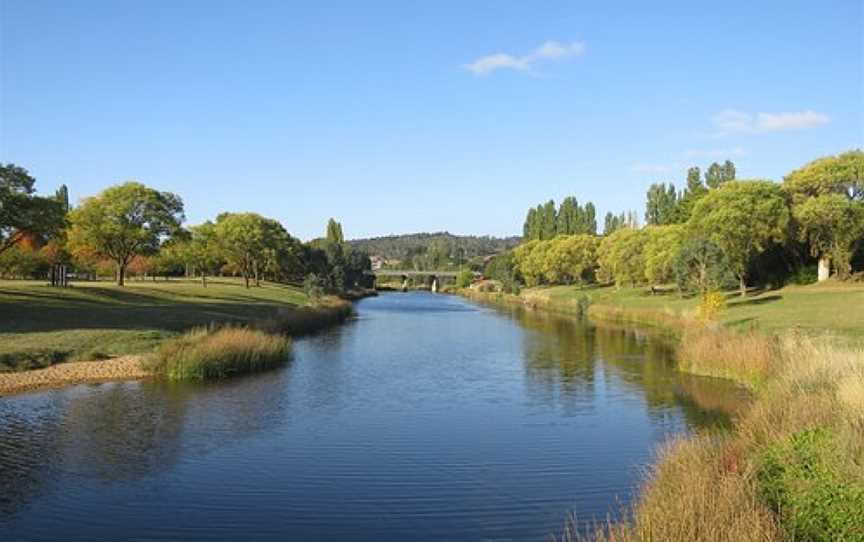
296,322
73,373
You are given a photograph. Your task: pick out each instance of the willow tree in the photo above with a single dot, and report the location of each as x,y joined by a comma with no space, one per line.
827,222
661,250
123,222
743,218
621,257
833,226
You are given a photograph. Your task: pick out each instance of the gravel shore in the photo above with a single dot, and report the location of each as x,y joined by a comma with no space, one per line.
78,372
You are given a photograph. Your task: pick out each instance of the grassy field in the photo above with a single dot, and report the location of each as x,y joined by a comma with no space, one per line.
41,325
829,308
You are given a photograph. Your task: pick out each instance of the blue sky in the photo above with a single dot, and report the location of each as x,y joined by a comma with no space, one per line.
396,117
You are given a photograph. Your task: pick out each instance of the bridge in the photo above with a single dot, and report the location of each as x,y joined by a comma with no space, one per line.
432,278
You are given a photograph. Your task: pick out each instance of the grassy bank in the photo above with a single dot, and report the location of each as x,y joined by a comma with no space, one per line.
41,325
203,354
815,310
792,466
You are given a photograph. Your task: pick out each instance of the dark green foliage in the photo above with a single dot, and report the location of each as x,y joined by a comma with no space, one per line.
464,278
661,205
502,268
614,222
544,222
334,232
702,267
313,286
22,212
804,275
801,480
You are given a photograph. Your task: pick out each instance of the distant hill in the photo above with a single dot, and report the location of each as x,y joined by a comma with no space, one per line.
437,247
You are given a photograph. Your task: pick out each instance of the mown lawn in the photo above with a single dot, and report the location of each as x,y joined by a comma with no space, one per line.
40,325
831,307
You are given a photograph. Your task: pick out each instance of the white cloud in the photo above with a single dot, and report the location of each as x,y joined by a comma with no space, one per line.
790,121
734,121
551,50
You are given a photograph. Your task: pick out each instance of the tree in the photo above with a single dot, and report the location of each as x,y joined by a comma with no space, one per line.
701,266
21,211
694,181
569,259
661,205
548,221
742,218
714,175
529,267
833,226
661,249
334,232
568,216
529,229
589,220
842,174
243,239
621,257
124,221
727,171
202,249
612,223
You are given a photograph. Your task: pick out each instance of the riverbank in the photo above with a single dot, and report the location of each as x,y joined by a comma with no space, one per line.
792,466
73,372
106,327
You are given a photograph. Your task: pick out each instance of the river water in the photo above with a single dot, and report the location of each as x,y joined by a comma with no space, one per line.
426,418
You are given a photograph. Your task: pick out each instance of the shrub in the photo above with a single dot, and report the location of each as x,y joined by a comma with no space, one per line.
464,278
701,266
799,480
206,354
712,304
313,286
805,275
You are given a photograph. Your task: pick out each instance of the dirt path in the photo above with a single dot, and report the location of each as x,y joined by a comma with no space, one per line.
77,372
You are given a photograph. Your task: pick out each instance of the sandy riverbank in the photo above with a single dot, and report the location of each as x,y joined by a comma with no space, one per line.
78,372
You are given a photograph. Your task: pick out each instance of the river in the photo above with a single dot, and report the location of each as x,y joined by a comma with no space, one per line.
426,418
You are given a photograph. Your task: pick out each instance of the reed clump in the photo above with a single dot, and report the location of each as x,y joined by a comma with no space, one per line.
748,357
325,313
204,354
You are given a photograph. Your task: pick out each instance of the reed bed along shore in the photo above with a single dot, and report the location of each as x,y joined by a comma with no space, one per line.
203,354
220,352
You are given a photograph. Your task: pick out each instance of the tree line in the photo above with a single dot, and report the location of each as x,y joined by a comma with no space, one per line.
133,228
711,235
432,251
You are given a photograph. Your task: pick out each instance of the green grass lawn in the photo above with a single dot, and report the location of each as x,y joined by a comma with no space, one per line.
40,325
831,307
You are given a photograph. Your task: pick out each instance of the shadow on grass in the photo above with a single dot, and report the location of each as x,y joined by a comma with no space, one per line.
756,300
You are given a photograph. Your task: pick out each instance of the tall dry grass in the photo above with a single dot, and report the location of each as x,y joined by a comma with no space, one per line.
327,312
749,357
714,487
207,354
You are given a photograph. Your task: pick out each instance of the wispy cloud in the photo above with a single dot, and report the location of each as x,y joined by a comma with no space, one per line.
551,50
734,121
